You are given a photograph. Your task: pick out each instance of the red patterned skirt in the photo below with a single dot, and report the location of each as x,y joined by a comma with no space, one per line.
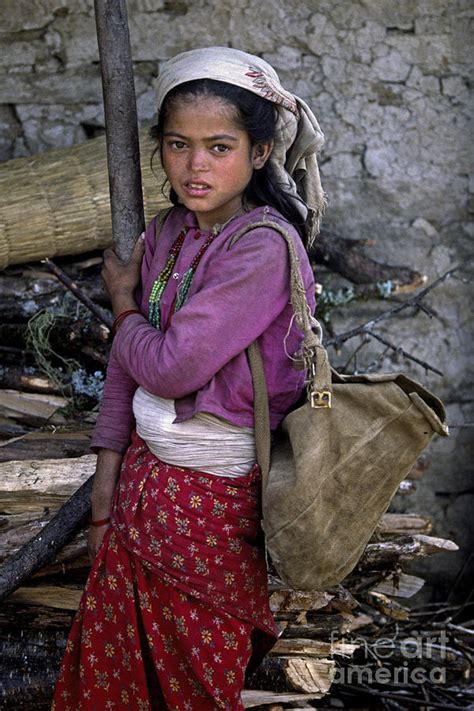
176,602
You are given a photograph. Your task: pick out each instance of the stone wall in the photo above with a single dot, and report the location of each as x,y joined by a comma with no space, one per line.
389,83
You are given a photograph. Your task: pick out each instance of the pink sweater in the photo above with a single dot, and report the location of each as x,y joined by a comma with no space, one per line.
237,295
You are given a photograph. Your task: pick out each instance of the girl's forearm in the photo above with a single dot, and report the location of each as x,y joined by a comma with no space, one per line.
105,482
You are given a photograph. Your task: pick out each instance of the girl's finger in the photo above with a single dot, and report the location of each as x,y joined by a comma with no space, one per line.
140,243
138,249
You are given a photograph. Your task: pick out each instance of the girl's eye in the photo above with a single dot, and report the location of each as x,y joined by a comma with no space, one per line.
177,145
220,148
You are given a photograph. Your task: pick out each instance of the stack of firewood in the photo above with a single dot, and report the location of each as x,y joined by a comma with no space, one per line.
44,458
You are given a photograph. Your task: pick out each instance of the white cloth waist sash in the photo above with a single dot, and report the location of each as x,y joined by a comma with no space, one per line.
204,442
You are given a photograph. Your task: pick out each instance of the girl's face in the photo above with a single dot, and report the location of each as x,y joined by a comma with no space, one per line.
208,159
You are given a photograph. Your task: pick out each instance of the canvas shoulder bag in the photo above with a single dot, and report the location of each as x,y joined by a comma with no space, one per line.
338,457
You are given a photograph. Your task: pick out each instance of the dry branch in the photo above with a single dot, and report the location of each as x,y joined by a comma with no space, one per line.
342,256
414,301
99,313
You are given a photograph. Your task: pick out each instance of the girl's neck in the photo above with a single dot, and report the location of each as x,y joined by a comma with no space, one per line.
219,226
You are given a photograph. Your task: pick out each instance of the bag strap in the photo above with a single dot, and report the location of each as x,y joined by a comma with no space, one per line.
314,354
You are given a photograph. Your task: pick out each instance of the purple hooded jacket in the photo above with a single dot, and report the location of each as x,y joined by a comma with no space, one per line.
237,295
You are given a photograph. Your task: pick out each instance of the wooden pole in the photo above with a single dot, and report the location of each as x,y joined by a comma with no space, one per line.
123,159
123,152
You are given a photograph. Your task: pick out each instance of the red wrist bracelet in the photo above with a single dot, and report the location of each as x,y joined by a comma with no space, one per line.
122,316
100,522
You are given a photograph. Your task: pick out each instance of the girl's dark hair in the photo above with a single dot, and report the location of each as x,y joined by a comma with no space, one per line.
258,118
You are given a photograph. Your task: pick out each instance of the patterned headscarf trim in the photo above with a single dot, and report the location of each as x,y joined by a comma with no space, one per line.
298,139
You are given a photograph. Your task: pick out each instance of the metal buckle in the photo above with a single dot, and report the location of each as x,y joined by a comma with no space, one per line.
320,399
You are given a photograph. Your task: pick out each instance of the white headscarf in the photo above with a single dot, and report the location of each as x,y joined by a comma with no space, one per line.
298,137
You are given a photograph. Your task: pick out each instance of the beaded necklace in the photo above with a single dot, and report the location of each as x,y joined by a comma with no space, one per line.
160,283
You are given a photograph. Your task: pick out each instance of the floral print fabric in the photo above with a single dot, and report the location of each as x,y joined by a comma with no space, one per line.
176,600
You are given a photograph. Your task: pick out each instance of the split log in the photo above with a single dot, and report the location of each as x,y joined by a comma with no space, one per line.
10,429
45,477
58,443
61,597
386,553
321,627
33,381
404,523
387,606
311,648
297,600
310,675
402,585
307,675
32,408
251,699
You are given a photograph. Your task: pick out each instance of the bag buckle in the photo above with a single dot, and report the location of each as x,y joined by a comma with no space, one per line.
320,399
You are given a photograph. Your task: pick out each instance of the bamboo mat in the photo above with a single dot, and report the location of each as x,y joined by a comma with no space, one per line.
57,203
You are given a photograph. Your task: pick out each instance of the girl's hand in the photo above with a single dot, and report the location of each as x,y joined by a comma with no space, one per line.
103,491
121,278
94,540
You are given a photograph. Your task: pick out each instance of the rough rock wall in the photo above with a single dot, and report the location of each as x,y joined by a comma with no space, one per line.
389,83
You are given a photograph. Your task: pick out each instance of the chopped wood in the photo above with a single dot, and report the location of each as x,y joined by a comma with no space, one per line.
404,523
432,544
60,477
12,538
407,548
60,597
342,600
321,627
55,444
297,600
300,647
387,606
311,648
251,698
18,502
310,675
402,585
357,622
72,558
11,429
33,408
14,378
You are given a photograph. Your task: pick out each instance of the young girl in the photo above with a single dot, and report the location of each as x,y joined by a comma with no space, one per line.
176,604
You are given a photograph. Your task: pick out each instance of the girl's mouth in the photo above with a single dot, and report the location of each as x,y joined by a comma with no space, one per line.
196,189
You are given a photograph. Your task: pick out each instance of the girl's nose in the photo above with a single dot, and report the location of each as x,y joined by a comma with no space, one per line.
197,160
